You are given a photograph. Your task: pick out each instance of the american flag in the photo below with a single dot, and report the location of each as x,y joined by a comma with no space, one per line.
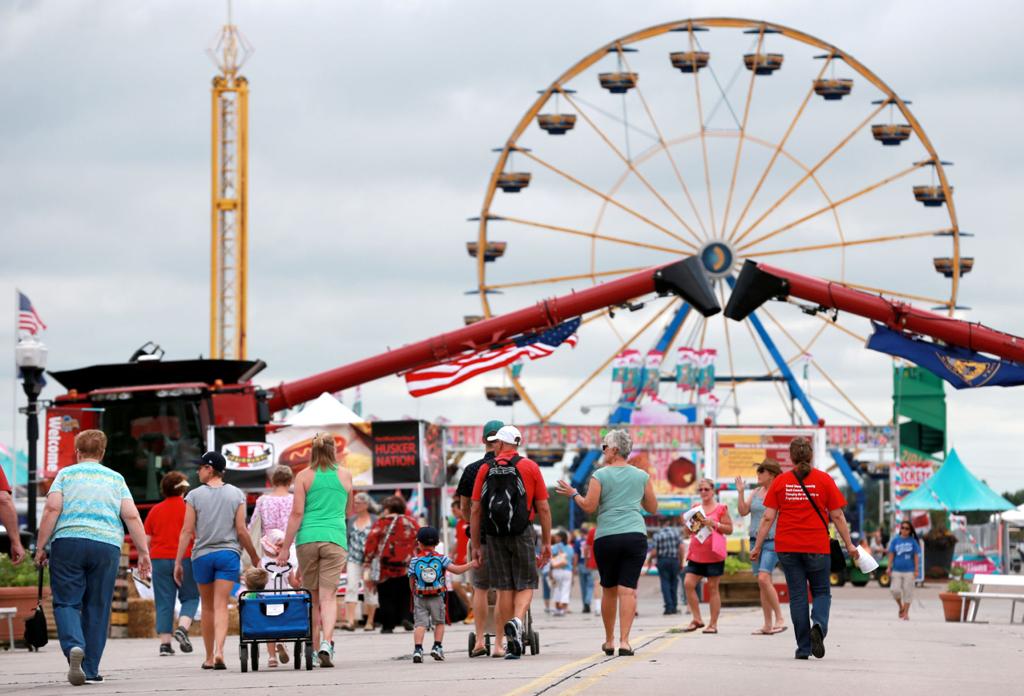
441,376
28,318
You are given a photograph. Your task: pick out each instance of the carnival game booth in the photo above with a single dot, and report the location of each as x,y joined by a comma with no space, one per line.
955,490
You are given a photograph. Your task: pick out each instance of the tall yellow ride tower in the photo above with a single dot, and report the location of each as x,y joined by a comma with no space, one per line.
229,182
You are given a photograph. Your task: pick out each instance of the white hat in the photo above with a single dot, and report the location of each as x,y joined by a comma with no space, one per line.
508,434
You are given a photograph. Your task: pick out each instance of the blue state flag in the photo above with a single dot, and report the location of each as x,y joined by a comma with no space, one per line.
962,368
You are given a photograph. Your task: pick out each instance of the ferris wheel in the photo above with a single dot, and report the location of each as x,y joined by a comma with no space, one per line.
726,139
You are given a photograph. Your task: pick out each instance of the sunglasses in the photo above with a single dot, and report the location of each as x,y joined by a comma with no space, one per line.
705,489
604,448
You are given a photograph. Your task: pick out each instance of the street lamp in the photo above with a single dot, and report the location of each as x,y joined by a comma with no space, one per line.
30,357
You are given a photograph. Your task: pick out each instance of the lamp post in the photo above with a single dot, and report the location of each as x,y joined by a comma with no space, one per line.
30,357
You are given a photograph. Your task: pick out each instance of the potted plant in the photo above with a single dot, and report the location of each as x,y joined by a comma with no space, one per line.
953,605
18,590
738,587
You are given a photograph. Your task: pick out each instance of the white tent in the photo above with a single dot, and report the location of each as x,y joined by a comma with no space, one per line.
1014,518
324,410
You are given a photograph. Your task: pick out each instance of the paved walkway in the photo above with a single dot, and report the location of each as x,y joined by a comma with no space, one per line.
869,650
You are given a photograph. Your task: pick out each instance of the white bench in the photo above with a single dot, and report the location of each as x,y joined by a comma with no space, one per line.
1012,586
9,613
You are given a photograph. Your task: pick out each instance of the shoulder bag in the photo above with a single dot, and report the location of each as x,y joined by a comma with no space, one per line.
838,560
375,563
35,625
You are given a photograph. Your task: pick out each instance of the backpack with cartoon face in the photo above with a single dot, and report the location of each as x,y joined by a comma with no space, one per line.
428,574
503,500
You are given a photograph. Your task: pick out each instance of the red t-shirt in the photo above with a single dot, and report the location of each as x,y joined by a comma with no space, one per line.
461,542
4,486
533,480
589,554
799,528
163,524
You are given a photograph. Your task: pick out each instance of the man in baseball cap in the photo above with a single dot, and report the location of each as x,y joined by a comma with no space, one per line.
464,492
509,434
214,460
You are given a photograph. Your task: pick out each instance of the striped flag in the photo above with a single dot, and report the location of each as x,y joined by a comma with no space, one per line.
28,318
441,376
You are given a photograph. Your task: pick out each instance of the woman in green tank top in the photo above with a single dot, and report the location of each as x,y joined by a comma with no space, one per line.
620,493
323,500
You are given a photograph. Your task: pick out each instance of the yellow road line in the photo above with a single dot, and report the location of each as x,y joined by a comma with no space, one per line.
543,679
615,665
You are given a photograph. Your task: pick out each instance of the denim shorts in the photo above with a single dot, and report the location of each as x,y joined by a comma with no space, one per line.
768,560
218,565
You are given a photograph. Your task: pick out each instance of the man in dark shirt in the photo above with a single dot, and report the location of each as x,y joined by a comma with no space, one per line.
464,492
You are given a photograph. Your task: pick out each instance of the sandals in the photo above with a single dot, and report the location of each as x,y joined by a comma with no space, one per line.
219,665
762,632
779,629
478,652
272,662
608,649
282,653
694,625
710,629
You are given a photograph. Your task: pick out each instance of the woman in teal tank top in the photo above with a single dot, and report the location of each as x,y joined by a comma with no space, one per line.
323,500
620,493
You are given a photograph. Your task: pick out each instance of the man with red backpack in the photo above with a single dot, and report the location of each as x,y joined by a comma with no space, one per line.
509,492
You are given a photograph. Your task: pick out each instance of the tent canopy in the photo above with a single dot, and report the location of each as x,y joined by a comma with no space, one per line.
323,410
1015,517
957,490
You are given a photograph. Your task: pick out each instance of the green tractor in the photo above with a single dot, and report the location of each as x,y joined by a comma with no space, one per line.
857,578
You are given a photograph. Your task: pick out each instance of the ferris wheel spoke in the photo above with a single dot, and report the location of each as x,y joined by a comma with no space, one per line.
563,279
839,390
667,151
522,392
778,150
826,322
822,162
593,375
629,164
850,243
741,138
769,370
703,138
591,235
833,205
606,197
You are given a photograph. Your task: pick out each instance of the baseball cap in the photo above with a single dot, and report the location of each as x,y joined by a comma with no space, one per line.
215,460
507,433
428,536
491,427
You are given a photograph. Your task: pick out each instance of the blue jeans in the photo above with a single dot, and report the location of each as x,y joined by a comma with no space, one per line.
165,591
801,570
586,584
668,574
82,574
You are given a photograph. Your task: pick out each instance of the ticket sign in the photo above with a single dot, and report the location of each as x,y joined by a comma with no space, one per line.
733,452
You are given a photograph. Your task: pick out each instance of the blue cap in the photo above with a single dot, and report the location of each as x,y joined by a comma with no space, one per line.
491,428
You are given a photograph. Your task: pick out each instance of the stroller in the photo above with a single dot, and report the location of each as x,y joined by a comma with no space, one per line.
277,615
531,639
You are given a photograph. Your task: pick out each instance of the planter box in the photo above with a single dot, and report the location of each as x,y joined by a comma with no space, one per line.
739,590
24,600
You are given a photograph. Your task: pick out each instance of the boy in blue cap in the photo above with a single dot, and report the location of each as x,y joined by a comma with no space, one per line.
427,579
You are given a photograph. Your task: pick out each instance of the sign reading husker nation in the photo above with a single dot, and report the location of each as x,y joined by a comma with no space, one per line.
396,452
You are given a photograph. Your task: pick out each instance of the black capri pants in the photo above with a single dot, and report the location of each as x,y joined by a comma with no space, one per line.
620,558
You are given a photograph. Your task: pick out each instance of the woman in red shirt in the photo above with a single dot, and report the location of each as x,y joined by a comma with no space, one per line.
389,547
804,499
163,527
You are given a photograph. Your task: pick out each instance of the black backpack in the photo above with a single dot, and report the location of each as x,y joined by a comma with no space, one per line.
503,500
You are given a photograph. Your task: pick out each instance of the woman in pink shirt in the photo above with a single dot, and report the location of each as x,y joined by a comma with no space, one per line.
707,559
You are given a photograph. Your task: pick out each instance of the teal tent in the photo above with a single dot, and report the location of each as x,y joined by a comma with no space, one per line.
15,467
956,489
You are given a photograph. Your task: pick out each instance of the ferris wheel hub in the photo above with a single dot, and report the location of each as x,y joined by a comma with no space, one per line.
718,258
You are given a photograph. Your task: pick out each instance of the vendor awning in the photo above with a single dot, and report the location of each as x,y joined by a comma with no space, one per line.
956,489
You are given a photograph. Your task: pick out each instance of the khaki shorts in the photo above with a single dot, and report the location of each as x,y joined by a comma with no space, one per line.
428,612
321,563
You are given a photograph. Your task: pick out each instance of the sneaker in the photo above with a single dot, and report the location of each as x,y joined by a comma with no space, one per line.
95,680
387,630
586,608
511,656
417,656
166,649
798,656
437,652
76,677
817,642
326,654
181,635
514,637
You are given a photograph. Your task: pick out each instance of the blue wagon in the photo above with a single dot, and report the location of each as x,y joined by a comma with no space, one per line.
275,616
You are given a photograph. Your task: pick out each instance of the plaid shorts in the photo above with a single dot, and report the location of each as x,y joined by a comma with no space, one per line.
512,562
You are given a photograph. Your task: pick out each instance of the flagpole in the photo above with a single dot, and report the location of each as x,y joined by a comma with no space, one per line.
14,408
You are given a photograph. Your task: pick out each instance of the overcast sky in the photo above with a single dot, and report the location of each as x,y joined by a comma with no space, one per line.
371,132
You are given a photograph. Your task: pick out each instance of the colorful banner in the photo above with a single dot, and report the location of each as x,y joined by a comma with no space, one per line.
293,445
695,369
912,469
396,452
732,452
670,437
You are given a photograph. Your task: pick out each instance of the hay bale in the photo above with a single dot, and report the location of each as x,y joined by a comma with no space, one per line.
141,618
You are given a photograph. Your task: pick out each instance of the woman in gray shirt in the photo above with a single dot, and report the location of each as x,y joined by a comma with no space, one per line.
215,518
763,567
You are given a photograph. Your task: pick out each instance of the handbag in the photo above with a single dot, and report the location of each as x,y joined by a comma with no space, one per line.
375,563
35,625
835,551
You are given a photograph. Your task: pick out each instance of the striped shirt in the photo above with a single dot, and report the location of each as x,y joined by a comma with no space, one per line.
92,503
667,541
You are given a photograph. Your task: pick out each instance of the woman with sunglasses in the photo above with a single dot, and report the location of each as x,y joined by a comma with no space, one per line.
765,565
706,559
904,553
620,493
